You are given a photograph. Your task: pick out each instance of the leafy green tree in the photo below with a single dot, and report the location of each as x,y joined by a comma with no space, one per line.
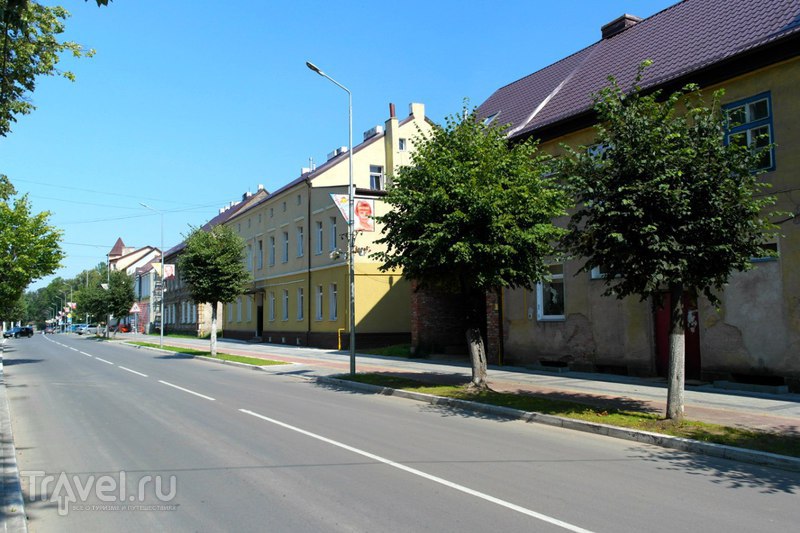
30,48
472,214
29,247
212,265
106,300
665,205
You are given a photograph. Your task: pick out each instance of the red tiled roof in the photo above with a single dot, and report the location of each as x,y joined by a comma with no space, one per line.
680,40
118,248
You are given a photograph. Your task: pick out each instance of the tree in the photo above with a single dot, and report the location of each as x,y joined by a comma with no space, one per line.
30,48
115,300
29,247
212,265
665,205
472,214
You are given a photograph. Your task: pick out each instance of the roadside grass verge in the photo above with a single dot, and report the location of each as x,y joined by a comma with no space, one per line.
222,356
783,444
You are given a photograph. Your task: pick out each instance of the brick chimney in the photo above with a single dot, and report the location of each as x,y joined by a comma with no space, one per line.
619,25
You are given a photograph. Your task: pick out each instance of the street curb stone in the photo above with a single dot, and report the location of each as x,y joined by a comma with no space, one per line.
13,503
645,437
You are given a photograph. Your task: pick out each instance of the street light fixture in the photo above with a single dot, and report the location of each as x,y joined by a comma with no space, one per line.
351,216
161,295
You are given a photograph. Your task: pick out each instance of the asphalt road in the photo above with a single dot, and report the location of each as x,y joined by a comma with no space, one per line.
254,451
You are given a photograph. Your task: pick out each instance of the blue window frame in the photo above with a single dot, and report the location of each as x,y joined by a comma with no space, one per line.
749,123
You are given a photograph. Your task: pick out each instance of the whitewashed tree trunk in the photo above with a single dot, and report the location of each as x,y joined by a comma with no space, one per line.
677,355
213,329
477,355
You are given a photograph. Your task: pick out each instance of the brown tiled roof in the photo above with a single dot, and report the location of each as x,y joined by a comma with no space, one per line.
118,248
682,40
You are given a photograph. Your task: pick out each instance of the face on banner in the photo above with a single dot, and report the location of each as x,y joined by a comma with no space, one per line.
364,211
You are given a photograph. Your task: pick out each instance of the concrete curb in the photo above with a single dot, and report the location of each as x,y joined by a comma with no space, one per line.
211,359
645,437
12,506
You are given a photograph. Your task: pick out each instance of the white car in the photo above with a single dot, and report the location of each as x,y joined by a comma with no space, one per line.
91,329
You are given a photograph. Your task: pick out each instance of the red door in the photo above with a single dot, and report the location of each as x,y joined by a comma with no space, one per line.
692,336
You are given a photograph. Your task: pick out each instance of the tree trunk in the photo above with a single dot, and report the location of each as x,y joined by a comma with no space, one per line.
213,329
677,354
477,355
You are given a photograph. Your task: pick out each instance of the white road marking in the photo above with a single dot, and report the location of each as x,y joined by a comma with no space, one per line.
74,349
186,390
103,360
133,371
87,355
430,477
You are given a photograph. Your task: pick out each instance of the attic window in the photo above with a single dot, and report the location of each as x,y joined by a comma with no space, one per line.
488,120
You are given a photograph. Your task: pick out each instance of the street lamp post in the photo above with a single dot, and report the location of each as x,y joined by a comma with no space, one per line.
161,295
351,216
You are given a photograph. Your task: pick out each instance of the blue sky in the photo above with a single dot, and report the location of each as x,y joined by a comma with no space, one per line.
188,104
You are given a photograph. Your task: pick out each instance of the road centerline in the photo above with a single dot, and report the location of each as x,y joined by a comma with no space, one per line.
425,475
132,371
186,390
104,361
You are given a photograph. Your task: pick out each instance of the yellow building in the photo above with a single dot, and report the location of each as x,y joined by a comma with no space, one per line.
755,335
296,240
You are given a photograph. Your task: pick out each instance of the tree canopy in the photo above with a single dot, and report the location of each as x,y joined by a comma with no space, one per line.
212,265
29,247
30,48
664,203
472,212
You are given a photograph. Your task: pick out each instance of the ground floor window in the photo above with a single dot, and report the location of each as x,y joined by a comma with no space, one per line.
550,295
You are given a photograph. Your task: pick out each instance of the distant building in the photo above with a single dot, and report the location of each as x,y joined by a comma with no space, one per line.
296,243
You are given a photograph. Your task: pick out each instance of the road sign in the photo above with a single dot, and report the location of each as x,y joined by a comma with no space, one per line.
135,308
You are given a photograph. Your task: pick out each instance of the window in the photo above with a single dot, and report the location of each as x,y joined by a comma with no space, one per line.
318,248
271,212
285,247
249,308
250,257
230,311
260,256
376,177
772,247
271,306
285,304
488,120
272,251
332,235
598,272
749,123
300,303
299,199
550,295
319,302
239,309
300,243
402,144
333,303
284,207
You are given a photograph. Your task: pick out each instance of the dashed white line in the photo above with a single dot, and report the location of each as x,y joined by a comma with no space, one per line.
420,473
133,371
87,355
186,390
103,360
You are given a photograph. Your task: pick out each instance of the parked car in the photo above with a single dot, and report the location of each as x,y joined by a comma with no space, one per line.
76,328
91,329
49,329
19,331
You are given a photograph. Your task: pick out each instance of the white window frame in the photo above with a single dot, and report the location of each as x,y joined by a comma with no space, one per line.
376,177
285,305
320,301
300,241
540,297
319,245
271,307
285,248
260,256
333,302
239,309
271,251
249,308
300,303
332,234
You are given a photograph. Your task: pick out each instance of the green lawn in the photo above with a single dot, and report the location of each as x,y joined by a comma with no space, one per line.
223,356
701,431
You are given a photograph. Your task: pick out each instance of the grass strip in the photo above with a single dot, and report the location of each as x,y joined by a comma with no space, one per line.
222,356
765,441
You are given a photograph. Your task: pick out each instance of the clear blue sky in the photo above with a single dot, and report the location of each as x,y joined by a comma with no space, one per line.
187,104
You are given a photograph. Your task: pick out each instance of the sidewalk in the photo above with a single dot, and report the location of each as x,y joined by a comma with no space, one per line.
774,412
